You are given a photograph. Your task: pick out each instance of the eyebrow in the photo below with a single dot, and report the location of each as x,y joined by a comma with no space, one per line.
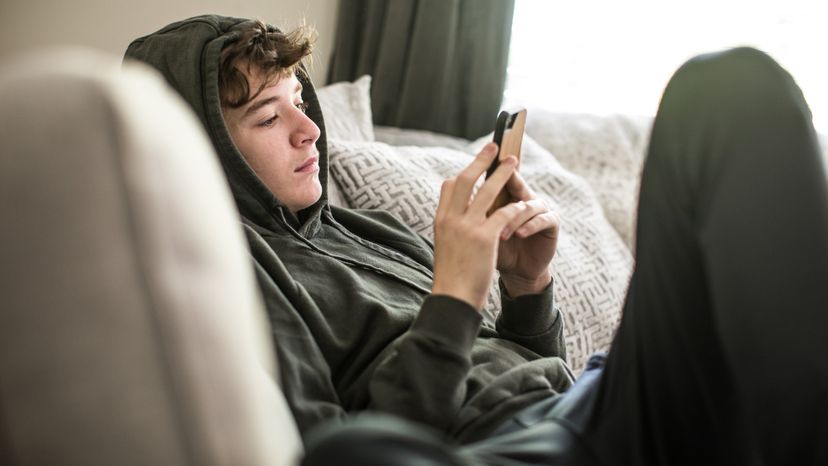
257,105
261,103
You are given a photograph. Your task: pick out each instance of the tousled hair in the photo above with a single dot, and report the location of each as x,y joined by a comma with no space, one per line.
275,54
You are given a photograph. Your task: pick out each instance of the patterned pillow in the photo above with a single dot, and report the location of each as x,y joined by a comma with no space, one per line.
591,268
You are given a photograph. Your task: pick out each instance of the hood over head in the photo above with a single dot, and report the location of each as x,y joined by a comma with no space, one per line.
188,54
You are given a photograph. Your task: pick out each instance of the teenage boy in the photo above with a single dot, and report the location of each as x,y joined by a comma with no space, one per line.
365,314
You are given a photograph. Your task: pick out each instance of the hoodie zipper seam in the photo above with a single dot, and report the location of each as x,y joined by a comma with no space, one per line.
369,267
353,262
389,253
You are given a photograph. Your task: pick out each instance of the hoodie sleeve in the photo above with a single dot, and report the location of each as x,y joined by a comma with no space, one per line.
304,375
533,322
424,378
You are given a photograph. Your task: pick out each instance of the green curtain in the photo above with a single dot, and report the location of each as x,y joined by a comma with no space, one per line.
438,65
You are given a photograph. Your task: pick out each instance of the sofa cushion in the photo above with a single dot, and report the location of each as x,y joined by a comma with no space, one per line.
346,107
607,151
131,329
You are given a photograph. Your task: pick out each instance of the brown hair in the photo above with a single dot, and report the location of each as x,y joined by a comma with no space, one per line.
273,53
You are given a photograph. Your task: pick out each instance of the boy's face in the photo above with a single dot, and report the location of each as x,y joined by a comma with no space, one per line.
279,141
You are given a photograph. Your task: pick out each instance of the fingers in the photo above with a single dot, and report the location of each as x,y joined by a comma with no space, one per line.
445,199
547,224
528,211
518,188
493,185
465,181
504,215
524,219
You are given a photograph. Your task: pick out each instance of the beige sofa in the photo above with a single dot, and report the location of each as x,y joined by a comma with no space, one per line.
131,331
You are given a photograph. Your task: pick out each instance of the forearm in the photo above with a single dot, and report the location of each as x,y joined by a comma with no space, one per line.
424,378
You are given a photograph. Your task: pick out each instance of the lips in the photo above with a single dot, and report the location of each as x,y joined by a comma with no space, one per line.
310,165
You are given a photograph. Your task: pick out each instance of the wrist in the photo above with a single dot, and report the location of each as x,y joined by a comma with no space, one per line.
518,286
470,297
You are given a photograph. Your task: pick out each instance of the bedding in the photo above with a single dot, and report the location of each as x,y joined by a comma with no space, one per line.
587,167
401,171
607,151
591,267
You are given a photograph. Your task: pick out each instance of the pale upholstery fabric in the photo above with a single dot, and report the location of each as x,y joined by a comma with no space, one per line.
607,151
131,331
346,107
415,137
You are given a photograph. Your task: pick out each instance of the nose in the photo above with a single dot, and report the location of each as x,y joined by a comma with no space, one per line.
306,131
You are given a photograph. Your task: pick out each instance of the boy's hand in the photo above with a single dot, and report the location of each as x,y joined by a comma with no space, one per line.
528,242
465,240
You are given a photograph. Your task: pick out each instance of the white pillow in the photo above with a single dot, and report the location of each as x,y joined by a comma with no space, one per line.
607,151
823,144
346,107
591,268
416,137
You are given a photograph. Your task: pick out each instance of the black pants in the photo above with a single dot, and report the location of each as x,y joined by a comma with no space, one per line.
721,356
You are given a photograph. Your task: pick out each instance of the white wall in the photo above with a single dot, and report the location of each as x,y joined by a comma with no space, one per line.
110,25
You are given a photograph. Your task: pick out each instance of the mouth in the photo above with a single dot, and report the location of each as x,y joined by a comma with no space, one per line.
310,165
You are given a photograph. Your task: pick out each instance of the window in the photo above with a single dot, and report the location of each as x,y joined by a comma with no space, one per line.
616,57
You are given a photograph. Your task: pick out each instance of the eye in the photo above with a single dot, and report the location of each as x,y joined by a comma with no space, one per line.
269,122
303,107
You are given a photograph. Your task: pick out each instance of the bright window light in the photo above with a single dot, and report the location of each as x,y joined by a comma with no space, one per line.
607,57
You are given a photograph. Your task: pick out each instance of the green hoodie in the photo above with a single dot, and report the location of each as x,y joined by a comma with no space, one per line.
348,291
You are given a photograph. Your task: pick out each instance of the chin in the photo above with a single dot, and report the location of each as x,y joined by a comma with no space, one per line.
312,198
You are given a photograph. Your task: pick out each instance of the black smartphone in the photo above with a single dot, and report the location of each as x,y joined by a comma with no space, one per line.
508,136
